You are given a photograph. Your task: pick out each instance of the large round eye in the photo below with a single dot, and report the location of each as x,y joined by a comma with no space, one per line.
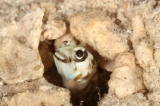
79,54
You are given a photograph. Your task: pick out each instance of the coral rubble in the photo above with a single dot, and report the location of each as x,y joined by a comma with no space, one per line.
124,33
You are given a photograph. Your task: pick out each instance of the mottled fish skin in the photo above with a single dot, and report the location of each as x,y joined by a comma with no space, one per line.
75,65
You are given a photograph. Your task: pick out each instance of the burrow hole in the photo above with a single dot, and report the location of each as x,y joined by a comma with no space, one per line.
46,50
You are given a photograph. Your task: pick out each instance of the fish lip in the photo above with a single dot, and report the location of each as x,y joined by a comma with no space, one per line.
86,77
83,78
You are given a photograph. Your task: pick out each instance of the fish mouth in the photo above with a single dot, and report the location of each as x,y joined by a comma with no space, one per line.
79,78
87,76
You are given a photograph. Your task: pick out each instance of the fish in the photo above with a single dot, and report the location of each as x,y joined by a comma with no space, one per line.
78,70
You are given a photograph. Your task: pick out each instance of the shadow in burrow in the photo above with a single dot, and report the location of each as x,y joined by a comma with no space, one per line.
46,50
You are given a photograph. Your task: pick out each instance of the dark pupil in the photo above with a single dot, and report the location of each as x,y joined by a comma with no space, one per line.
79,53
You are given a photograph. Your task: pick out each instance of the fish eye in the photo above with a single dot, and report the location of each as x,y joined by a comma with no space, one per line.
79,54
66,42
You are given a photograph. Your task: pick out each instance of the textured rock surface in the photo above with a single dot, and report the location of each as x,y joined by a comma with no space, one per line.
99,31
27,29
54,29
133,100
154,98
55,25
20,33
125,80
115,29
146,54
35,93
18,63
20,60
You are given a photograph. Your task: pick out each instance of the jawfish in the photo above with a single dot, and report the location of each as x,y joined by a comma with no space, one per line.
78,69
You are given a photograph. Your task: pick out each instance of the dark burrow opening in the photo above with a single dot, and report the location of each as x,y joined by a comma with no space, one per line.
46,51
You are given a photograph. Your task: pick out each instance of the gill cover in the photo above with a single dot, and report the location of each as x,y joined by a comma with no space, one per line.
74,63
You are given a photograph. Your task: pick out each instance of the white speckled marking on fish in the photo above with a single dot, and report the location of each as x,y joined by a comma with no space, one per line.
78,70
